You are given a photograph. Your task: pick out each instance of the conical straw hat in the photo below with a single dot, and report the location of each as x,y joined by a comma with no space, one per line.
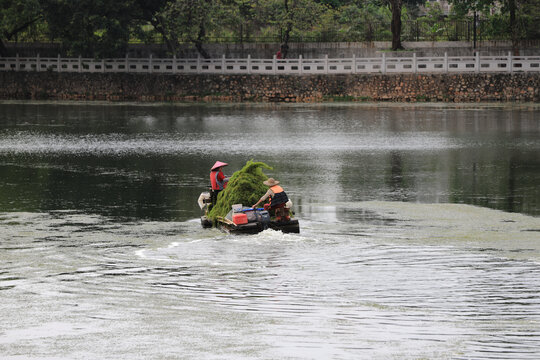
218,164
270,182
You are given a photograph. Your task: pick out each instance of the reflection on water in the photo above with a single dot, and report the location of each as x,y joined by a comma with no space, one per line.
151,161
419,234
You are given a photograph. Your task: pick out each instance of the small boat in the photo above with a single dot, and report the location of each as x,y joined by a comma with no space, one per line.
246,220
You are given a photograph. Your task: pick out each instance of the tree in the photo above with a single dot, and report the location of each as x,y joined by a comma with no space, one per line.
15,17
93,28
396,7
430,23
509,8
189,21
149,12
291,17
395,25
238,17
529,18
363,23
332,3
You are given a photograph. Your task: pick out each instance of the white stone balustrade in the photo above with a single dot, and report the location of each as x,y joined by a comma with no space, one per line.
293,66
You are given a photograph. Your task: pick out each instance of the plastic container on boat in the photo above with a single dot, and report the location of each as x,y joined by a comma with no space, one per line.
240,219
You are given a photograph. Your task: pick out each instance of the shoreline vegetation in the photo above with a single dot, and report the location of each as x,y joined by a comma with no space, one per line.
175,23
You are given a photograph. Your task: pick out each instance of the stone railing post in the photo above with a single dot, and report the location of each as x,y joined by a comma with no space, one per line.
414,63
326,63
446,62
274,64
17,63
198,63
174,66
102,65
383,66
249,64
38,65
223,64
510,63
477,63
353,64
58,66
150,66
79,64
300,66
127,63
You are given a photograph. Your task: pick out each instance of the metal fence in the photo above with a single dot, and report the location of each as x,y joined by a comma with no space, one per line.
420,29
296,66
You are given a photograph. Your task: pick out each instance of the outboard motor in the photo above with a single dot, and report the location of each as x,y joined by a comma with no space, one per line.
204,200
263,218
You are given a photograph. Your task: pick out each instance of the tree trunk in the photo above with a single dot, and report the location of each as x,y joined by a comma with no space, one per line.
8,35
285,45
199,41
288,29
200,49
395,6
3,50
169,41
513,26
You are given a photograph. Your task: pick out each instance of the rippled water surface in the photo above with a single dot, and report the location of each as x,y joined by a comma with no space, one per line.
420,233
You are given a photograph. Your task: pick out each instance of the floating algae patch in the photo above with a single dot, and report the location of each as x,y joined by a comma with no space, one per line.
245,187
511,235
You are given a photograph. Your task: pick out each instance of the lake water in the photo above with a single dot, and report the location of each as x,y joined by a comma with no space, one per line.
420,233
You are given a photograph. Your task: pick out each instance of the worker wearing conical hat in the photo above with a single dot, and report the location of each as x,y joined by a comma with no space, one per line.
217,179
278,199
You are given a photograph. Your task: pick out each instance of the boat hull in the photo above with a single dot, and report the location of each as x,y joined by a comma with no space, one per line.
206,222
245,220
291,226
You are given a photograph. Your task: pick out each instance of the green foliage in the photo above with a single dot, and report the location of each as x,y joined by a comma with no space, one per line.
463,7
366,23
496,24
245,187
92,28
19,19
295,17
333,3
103,28
239,19
507,19
14,14
431,24
528,19
183,18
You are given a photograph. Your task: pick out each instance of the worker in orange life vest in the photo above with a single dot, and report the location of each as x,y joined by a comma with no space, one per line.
278,199
217,179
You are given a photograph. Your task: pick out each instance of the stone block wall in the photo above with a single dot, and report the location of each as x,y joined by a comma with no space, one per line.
523,87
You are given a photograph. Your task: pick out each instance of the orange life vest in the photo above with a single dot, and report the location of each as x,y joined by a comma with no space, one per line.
279,197
217,184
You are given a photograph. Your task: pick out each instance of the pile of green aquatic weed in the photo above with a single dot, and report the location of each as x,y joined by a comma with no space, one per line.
245,187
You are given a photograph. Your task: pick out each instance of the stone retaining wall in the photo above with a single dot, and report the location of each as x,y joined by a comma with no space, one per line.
523,87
